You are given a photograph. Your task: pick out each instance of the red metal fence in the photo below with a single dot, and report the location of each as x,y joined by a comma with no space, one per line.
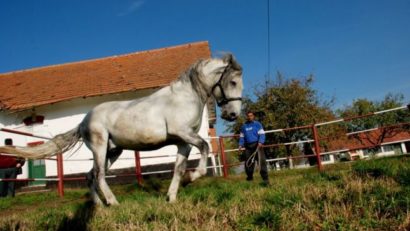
222,152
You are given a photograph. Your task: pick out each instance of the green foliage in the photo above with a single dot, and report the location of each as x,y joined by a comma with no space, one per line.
365,106
389,124
286,103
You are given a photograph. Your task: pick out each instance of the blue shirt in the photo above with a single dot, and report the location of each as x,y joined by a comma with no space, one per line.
251,132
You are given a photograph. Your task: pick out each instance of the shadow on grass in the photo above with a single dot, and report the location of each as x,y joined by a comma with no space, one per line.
79,221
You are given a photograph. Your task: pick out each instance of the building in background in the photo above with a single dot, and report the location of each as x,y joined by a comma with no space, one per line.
367,145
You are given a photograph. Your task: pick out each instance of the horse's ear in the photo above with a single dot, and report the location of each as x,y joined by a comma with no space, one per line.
227,58
230,59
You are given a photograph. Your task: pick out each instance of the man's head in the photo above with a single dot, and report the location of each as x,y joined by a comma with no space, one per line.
8,141
250,116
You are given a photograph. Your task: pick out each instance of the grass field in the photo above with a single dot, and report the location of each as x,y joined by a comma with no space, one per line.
364,195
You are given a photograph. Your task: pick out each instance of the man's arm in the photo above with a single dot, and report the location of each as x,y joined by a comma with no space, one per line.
261,134
241,138
20,162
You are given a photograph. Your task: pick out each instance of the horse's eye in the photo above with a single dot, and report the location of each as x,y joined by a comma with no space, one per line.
233,83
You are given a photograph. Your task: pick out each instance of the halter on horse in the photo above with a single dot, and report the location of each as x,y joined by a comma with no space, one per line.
224,99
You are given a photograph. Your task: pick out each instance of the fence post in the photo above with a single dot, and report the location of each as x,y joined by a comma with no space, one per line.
223,157
60,174
138,171
317,147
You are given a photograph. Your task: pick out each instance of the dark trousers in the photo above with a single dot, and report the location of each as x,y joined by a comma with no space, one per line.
7,187
260,157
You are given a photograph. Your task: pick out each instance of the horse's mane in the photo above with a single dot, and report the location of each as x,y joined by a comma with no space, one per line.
191,75
192,71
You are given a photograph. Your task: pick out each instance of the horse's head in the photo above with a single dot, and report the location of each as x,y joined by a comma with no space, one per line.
225,77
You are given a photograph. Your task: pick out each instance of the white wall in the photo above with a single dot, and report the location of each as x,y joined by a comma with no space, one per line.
61,117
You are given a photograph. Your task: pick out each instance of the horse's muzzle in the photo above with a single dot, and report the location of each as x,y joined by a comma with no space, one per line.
230,117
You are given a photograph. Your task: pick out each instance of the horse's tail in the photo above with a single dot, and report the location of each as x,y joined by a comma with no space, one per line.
58,144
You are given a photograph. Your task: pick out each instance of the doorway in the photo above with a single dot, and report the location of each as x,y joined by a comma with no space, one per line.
36,168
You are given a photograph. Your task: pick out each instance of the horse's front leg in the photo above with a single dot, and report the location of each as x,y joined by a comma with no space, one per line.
179,170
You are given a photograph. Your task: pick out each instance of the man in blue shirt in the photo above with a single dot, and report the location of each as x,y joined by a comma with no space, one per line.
252,137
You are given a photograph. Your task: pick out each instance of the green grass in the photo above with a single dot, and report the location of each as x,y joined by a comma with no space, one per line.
397,168
365,195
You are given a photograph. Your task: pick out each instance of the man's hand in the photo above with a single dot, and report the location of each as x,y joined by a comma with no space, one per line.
240,147
18,165
260,145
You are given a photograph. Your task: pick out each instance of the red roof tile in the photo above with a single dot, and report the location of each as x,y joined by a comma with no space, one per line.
25,89
373,138
370,139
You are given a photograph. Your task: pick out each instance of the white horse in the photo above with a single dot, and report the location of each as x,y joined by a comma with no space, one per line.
172,115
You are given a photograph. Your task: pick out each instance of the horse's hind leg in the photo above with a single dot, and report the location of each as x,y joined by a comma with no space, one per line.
179,170
92,184
113,155
99,144
91,178
113,152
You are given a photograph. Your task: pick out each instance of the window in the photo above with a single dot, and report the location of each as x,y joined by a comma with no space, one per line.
325,158
371,151
396,148
343,156
35,119
39,162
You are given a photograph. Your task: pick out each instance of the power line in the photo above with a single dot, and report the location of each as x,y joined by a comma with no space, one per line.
268,12
268,75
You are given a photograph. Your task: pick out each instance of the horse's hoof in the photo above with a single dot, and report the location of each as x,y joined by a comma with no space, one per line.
113,203
98,203
171,199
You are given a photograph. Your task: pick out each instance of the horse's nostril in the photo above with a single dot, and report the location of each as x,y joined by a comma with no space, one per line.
233,115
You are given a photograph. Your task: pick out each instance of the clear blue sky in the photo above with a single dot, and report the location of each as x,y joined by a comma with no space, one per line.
355,48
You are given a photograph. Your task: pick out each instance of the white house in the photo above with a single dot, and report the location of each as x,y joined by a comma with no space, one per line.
364,145
372,143
397,144
50,100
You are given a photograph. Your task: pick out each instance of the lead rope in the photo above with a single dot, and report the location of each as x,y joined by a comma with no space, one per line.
251,158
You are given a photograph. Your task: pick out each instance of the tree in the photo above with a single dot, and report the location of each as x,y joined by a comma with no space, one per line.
287,103
388,124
